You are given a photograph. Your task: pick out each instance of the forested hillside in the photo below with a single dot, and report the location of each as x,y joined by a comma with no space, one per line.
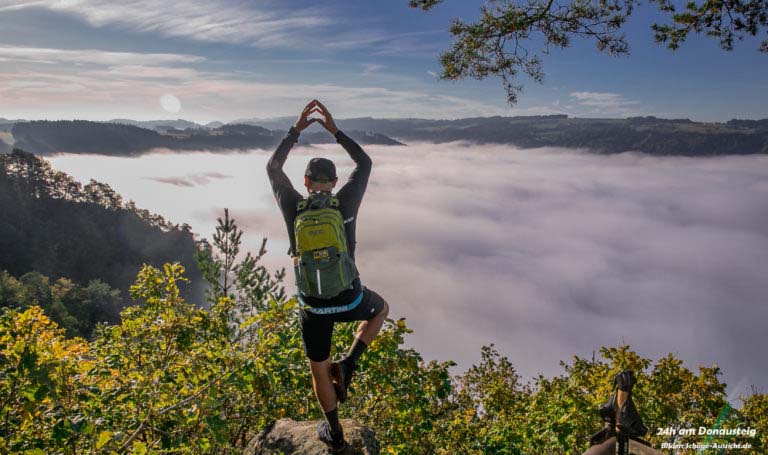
76,309
79,136
652,135
106,138
51,224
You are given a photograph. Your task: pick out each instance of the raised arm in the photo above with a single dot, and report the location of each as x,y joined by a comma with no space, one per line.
282,188
354,189
281,184
358,179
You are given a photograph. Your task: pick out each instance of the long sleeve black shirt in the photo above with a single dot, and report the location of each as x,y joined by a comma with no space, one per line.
350,195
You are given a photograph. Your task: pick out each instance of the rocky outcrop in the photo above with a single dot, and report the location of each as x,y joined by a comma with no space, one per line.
288,437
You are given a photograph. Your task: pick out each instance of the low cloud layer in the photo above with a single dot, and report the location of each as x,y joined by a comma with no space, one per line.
554,253
547,253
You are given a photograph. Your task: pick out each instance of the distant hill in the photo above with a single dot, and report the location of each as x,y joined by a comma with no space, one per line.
80,136
651,135
644,134
362,137
160,125
51,224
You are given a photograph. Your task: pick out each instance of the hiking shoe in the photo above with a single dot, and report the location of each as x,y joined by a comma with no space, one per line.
334,441
341,373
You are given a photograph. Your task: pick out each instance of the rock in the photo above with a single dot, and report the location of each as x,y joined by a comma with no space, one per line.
288,437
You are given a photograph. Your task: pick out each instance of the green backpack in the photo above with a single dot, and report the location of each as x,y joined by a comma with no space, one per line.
321,262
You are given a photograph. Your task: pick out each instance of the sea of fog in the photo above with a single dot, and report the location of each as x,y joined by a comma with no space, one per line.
548,253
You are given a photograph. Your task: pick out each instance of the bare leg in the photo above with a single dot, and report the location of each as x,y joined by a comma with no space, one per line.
367,330
621,398
321,383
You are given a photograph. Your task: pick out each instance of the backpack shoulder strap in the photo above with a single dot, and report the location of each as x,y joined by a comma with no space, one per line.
317,202
301,204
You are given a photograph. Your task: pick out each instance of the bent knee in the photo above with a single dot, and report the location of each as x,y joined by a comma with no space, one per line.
321,368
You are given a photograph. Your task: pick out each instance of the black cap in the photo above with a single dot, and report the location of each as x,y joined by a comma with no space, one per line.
320,169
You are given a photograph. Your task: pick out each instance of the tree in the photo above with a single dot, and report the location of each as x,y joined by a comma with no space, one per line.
102,194
171,377
249,284
498,44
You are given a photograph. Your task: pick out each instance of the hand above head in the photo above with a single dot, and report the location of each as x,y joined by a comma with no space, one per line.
304,120
327,120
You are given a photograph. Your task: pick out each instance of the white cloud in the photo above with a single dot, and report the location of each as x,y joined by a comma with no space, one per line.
567,252
210,21
370,68
91,56
191,180
385,43
609,103
432,73
95,84
556,249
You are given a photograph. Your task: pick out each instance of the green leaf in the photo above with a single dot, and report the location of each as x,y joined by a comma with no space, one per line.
104,438
139,448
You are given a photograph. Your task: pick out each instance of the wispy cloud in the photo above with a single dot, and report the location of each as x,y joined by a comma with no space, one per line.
370,68
91,56
385,43
210,21
191,180
91,83
605,103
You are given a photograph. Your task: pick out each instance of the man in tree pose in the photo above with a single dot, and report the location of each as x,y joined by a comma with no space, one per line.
321,229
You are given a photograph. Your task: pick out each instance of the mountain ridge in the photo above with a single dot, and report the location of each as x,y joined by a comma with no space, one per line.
651,135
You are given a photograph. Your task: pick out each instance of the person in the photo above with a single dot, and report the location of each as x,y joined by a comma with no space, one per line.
318,311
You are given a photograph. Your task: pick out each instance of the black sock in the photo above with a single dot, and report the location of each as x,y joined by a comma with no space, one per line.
357,349
333,420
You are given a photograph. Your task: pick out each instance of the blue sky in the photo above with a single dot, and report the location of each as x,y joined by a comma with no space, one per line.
224,60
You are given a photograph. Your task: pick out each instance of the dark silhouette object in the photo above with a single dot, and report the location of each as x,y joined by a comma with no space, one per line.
289,437
623,425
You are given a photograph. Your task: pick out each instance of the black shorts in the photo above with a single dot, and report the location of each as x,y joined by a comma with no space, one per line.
317,329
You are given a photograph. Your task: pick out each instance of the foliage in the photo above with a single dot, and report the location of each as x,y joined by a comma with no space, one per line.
755,410
726,20
174,378
495,413
498,44
76,309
